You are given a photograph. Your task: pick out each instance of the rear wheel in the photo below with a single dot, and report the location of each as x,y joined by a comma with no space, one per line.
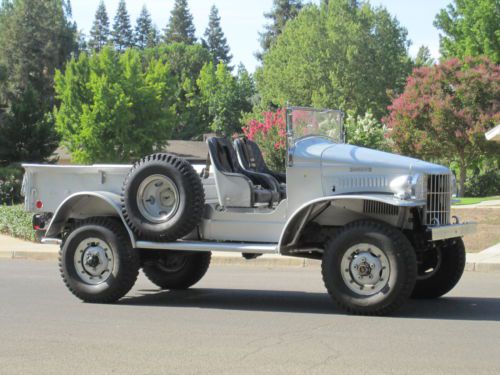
97,261
369,268
176,271
440,269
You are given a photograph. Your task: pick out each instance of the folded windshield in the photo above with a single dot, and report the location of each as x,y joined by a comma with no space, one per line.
302,122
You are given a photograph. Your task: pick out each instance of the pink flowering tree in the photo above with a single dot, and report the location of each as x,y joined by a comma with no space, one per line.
444,112
270,135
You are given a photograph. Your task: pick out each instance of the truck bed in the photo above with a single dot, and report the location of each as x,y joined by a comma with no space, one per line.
52,184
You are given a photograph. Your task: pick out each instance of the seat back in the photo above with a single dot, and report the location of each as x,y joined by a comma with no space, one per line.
223,155
250,158
249,155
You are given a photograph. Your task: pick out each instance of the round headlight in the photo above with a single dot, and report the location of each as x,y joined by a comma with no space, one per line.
408,187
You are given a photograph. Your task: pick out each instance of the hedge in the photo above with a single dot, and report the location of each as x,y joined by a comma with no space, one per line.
16,222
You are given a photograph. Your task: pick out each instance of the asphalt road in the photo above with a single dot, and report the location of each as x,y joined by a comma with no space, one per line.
240,320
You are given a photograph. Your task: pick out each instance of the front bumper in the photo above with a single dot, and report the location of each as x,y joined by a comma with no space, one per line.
450,231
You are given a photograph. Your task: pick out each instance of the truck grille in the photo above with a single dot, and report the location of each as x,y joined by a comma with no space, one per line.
437,210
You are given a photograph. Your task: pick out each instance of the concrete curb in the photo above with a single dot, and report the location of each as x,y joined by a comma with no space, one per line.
269,261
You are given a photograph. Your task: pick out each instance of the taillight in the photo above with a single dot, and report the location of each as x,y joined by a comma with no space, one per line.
39,205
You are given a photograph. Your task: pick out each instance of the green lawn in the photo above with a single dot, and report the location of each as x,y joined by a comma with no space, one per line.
464,201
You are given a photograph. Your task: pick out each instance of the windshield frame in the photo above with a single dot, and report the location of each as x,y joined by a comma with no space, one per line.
292,137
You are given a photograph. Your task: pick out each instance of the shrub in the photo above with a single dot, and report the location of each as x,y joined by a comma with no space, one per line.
270,135
366,131
11,179
483,184
16,222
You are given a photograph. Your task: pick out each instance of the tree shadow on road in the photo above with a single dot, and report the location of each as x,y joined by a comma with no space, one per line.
448,308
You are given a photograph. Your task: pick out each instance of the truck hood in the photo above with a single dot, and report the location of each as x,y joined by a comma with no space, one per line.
352,169
341,154
329,154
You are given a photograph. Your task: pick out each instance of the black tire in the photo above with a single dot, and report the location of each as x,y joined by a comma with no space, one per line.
398,282
124,269
176,271
446,263
191,198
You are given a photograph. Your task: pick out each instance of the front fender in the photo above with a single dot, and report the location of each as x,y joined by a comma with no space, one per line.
83,205
297,221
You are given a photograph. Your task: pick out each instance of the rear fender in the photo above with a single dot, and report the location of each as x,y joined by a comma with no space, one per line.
317,209
83,205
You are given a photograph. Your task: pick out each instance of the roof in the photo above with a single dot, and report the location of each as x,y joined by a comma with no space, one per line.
493,134
190,150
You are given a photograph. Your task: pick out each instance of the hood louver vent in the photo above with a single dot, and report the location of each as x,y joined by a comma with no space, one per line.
379,208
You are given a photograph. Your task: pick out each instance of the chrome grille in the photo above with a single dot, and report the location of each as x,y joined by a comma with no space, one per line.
437,210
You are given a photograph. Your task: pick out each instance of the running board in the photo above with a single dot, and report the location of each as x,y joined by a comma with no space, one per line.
234,247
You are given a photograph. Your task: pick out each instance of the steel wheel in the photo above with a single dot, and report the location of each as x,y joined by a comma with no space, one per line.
94,261
365,269
369,267
97,261
157,198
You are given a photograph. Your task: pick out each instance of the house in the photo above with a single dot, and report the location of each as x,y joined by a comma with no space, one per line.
493,134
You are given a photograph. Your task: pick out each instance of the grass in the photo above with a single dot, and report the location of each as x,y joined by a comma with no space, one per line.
488,229
16,222
465,201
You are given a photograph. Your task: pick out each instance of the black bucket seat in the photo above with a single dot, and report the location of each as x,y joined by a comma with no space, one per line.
263,187
250,159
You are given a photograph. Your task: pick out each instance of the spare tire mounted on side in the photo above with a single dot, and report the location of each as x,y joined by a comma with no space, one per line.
162,198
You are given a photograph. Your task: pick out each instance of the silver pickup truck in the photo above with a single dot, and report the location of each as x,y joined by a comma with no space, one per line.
380,223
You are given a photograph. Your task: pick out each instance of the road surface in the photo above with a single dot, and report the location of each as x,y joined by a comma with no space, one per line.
240,320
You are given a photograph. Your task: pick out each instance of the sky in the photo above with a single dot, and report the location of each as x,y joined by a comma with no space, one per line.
242,20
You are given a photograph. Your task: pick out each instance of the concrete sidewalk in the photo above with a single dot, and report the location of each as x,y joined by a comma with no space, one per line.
13,248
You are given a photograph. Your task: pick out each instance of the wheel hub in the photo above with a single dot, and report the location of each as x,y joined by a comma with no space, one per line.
93,260
157,198
365,269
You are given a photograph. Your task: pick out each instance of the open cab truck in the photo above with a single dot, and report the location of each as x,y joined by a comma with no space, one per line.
380,223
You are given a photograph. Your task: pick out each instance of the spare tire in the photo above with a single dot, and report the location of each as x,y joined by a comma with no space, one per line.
162,198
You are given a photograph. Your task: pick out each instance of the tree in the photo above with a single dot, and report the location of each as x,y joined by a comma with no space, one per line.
180,27
215,40
219,92
245,89
341,55
445,110
424,57
281,12
36,38
146,34
123,36
185,61
470,28
99,34
113,107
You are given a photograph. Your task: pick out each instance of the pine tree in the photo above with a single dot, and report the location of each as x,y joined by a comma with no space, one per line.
215,40
281,12
99,34
123,37
36,38
146,34
180,27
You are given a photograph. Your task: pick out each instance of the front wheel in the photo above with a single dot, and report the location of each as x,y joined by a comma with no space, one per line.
176,271
440,269
97,261
369,268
